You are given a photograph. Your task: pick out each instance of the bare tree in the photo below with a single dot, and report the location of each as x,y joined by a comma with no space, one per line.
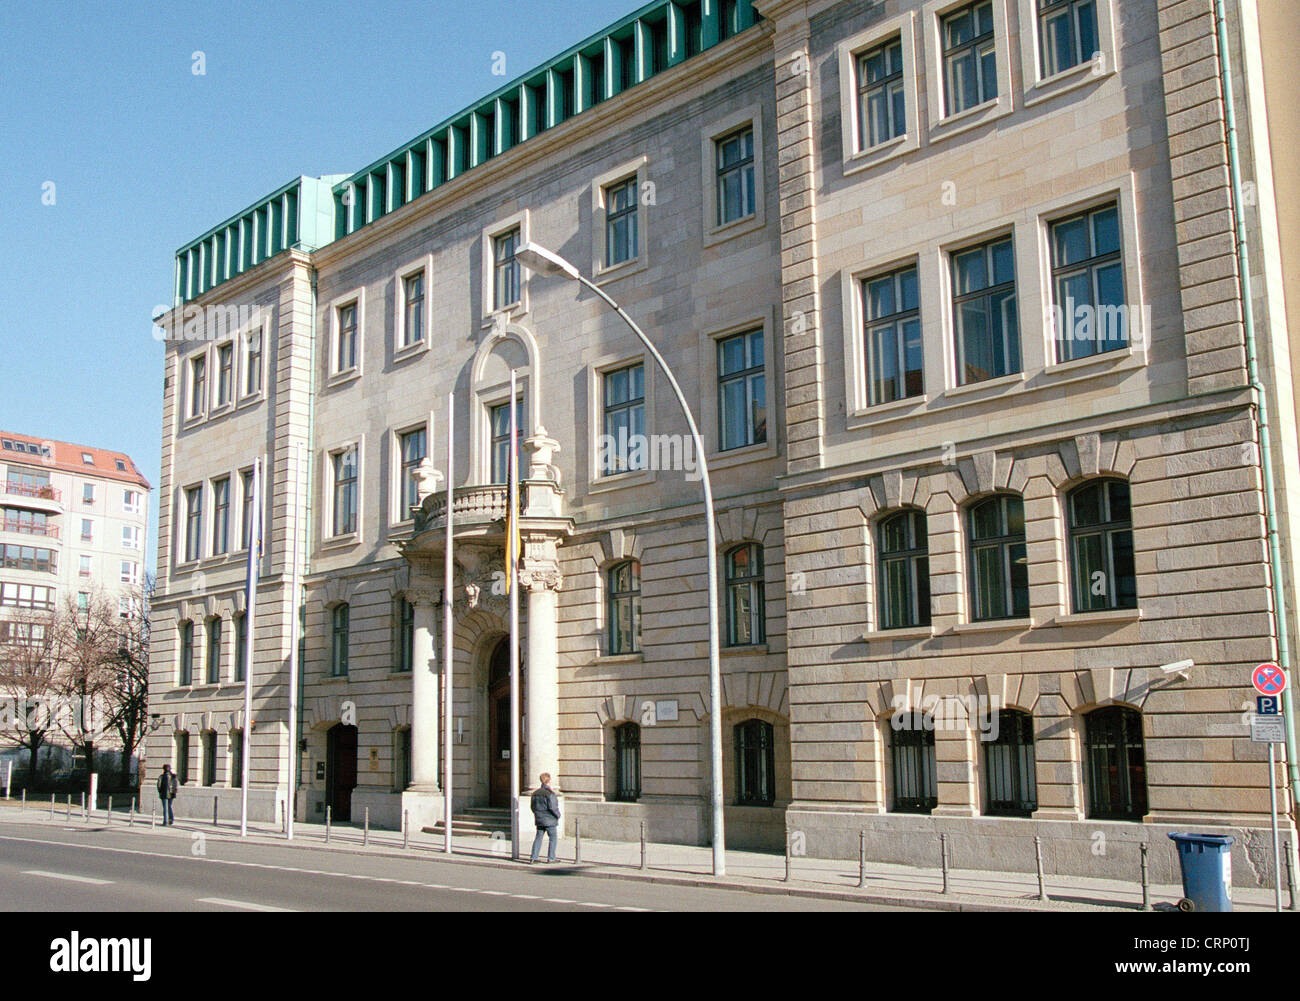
31,660
127,699
89,634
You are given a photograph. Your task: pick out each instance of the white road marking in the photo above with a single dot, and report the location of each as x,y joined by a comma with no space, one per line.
280,868
67,876
243,905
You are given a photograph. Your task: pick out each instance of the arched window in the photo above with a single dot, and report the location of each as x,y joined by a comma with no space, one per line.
912,763
999,570
339,623
904,571
746,623
1102,574
624,607
186,639
1115,758
755,763
627,763
1011,784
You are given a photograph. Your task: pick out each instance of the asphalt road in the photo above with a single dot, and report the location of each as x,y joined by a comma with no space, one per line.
89,868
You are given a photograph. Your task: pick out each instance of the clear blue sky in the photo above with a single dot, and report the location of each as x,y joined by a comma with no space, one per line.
100,99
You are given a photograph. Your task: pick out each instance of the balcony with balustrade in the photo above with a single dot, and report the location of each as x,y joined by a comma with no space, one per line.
34,496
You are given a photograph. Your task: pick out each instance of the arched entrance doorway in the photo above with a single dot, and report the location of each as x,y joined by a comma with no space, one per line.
498,702
340,770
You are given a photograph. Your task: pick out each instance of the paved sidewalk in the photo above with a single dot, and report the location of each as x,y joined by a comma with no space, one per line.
691,865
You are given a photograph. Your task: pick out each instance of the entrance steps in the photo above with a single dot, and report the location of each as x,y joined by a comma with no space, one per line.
476,820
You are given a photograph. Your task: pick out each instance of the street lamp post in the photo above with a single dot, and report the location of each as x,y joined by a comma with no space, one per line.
538,259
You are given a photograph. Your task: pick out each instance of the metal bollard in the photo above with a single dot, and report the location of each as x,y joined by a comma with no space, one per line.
153,816
1146,878
130,814
327,824
862,859
577,841
786,878
644,863
51,806
365,831
1290,878
214,811
108,812
1038,862
24,799
406,828
85,817
69,806
943,861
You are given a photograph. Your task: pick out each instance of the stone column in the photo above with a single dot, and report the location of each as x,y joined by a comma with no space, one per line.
542,689
424,693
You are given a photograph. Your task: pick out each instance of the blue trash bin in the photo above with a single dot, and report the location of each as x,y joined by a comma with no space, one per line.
1206,861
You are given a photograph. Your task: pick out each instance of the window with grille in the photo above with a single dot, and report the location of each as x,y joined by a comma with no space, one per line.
755,763
912,763
745,595
1115,757
627,763
1012,787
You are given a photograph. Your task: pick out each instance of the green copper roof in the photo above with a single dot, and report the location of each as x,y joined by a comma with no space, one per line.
310,212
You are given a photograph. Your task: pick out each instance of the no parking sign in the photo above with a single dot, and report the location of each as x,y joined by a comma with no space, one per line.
1268,679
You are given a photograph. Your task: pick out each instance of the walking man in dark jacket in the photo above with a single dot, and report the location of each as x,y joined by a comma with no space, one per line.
546,813
167,787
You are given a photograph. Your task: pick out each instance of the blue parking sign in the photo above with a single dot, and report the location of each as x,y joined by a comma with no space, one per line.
1268,705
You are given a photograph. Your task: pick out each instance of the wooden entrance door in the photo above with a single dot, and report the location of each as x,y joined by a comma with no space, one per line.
499,725
341,770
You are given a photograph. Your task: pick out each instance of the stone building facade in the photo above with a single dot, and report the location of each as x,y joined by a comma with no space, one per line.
967,543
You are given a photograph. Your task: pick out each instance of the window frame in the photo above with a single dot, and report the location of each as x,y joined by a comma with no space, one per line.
336,375
896,320
924,766
1005,544
220,541
1020,773
251,362
627,763
522,432
185,654
754,585
1106,530
193,527
956,300
223,372
616,645
942,124
196,381
755,739
1090,266
334,458
403,347
212,651
633,172
857,155
1121,717
746,376
491,312
340,639
626,407
921,609
1039,87
715,231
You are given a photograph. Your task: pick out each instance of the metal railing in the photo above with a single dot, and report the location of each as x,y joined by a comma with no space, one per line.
40,491
28,528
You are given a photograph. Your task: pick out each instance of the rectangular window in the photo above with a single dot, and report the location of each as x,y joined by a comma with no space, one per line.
624,421
88,493
506,269
83,568
253,362
221,516
130,537
345,351
214,651
500,427
236,739
198,384
735,176
339,621
891,311
27,596
130,572
187,653
1067,34
87,530
413,304
225,373
881,106
742,391
30,558
208,745
985,318
969,57
621,236
1090,315
246,512
182,765
405,635
345,491
131,501
414,448
193,523
241,644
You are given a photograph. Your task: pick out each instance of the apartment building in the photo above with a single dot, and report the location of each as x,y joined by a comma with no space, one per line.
954,294
73,520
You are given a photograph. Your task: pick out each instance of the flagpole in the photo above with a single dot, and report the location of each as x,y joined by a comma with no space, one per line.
294,632
512,588
447,598
250,610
